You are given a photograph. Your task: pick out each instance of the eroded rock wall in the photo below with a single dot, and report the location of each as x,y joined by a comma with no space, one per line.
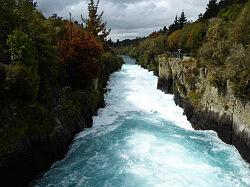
205,106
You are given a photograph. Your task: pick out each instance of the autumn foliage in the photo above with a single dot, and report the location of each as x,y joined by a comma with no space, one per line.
173,40
78,52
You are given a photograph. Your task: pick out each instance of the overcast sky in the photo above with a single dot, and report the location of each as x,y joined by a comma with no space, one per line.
128,18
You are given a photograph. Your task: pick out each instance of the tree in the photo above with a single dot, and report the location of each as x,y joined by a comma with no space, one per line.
94,23
8,20
212,10
173,40
175,26
21,48
192,36
182,20
225,3
200,16
165,30
241,30
178,24
79,51
26,11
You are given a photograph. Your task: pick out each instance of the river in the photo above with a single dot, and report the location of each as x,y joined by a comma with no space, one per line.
142,139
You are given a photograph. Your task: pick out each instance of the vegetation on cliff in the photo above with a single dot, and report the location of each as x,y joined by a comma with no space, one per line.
219,39
52,76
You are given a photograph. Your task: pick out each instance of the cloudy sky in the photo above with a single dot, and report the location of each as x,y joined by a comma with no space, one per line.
128,18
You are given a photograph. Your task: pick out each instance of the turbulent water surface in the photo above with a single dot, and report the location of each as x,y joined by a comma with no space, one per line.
141,138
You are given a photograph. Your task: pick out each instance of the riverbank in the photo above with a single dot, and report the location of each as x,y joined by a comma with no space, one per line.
35,135
206,106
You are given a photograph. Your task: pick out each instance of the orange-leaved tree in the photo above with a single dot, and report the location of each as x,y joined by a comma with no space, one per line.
79,51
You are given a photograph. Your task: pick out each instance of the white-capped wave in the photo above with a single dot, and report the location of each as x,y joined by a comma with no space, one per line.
134,89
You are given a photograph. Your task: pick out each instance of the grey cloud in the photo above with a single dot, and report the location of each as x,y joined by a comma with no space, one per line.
54,6
128,18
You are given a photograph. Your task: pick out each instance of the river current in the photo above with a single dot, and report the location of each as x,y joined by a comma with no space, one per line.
142,139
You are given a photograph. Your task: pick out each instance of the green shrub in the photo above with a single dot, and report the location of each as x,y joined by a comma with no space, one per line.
21,82
241,88
27,122
230,13
192,36
217,80
240,33
194,97
154,66
111,62
216,48
21,48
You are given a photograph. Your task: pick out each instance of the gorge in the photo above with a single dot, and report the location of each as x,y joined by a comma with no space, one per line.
167,104
141,138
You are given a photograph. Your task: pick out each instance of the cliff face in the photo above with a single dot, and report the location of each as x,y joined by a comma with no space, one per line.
206,107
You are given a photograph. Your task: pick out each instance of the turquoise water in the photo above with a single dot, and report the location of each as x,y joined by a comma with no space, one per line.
142,139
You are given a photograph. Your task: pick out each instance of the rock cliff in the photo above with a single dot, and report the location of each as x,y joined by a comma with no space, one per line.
206,106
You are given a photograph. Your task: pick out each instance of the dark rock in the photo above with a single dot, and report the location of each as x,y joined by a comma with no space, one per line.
222,124
166,85
242,142
36,155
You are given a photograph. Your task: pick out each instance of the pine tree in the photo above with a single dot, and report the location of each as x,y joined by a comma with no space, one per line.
179,23
175,26
165,30
212,10
182,20
200,16
176,22
94,23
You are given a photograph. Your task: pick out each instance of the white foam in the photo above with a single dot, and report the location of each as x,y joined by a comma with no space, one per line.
135,89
